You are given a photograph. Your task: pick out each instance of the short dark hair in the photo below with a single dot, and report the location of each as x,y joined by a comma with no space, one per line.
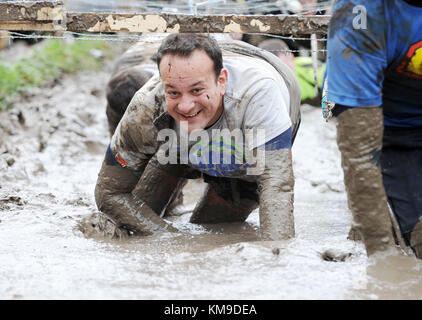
183,44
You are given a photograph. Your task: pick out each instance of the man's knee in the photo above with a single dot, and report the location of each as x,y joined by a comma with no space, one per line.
226,200
161,187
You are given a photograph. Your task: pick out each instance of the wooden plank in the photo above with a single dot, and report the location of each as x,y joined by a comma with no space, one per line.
30,26
50,16
186,23
31,11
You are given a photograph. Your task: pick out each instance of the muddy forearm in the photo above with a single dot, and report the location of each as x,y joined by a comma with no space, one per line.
114,197
359,137
276,186
135,215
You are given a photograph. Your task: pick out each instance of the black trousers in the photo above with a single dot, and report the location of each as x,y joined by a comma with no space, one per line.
401,166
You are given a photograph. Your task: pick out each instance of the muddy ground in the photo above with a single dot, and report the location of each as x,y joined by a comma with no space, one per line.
51,148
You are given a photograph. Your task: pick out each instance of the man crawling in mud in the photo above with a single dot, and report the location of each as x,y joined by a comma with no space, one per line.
225,112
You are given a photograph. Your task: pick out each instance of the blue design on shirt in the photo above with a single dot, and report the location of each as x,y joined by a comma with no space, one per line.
109,157
226,158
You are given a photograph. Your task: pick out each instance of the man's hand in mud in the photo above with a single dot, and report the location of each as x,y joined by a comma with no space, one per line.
335,255
99,224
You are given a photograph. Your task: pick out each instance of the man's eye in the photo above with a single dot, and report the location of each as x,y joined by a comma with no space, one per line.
197,90
172,93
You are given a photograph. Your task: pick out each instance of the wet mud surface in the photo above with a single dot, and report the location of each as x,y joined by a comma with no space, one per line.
51,149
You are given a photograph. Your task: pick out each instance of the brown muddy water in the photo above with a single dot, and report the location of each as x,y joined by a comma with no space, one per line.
51,148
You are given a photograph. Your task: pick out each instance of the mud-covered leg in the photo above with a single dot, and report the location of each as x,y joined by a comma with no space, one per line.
402,179
225,200
416,239
359,137
161,187
354,234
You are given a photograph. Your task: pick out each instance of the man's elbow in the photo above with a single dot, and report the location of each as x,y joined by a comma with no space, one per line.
113,181
100,196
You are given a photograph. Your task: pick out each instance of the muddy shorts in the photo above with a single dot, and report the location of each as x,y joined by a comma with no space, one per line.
401,165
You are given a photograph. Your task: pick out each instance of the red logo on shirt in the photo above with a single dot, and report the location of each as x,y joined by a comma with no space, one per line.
121,160
411,65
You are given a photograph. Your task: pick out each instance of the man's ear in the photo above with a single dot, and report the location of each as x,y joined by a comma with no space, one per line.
222,80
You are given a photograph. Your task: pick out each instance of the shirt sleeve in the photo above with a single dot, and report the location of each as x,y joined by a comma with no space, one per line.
282,141
357,54
135,139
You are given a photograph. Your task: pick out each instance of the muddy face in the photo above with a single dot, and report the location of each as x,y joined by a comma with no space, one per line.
193,95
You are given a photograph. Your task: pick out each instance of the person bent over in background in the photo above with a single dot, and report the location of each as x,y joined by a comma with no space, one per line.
130,72
302,66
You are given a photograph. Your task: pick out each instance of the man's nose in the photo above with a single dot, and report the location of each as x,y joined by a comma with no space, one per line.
186,105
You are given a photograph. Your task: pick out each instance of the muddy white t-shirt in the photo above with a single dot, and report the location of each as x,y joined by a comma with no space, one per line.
256,113
216,151
256,104
256,97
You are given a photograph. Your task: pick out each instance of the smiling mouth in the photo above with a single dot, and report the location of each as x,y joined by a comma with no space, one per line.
193,115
